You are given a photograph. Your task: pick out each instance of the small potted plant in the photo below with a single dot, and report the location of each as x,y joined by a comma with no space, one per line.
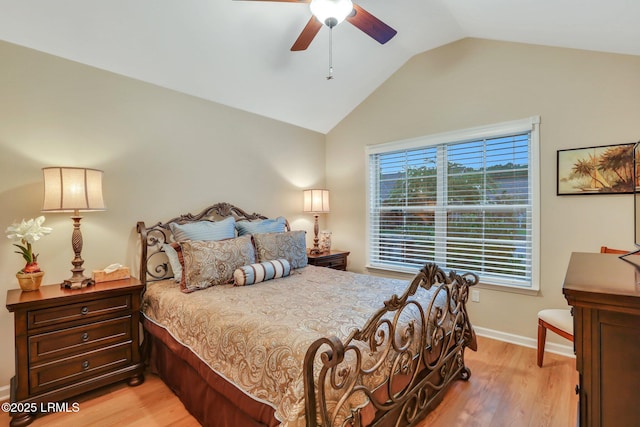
26,233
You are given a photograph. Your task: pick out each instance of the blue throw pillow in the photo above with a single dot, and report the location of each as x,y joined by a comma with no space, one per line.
276,225
204,230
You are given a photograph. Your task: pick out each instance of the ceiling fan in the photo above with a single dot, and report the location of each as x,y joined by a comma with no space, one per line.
331,13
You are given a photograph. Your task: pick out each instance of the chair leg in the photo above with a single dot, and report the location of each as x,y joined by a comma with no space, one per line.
542,337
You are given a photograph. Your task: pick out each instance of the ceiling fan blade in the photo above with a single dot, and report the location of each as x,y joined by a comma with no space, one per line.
371,25
308,33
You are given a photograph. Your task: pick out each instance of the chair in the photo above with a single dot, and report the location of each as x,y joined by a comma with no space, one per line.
559,321
607,250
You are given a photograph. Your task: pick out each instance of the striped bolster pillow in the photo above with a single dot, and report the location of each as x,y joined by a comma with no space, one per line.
256,273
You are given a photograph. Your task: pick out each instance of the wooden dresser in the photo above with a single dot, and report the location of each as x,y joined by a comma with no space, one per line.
605,294
68,342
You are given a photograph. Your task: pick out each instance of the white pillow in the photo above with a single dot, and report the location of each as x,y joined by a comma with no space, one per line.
174,261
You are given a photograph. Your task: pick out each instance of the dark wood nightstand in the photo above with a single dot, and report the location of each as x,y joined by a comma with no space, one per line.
334,259
68,342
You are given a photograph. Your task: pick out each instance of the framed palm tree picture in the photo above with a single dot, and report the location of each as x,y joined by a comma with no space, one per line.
606,169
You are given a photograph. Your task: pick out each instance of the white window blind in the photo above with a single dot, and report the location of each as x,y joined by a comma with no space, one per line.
465,200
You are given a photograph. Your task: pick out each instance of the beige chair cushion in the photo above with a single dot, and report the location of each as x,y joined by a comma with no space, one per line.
560,318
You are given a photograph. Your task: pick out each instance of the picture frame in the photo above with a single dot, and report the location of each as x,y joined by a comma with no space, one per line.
605,169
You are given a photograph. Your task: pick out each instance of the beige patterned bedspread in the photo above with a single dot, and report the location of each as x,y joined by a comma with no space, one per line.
256,336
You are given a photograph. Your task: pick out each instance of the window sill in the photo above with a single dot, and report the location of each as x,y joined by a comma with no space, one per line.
410,272
510,289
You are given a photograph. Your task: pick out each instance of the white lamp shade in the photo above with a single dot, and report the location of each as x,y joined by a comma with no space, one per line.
72,189
316,201
325,9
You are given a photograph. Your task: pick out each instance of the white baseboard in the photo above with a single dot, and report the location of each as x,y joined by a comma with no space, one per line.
563,350
4,393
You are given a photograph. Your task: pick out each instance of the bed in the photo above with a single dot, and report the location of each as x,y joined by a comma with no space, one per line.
315,347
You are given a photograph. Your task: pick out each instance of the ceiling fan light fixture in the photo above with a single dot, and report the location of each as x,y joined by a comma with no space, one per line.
331,12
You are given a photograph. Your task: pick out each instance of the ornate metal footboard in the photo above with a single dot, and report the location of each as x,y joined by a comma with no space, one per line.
417,358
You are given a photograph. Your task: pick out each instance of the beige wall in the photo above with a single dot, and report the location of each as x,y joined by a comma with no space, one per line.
583,98
163,153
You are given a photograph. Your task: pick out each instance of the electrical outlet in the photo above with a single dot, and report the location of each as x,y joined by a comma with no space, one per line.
475,295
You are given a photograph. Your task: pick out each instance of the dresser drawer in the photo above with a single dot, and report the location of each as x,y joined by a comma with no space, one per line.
68,371
80,339
72,312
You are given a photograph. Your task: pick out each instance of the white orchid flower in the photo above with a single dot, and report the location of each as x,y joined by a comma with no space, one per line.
27,232
16,231
30,231
36,230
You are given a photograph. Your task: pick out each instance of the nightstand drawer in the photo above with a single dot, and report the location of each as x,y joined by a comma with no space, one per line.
334,259
68,342
338,263
72,312
57,374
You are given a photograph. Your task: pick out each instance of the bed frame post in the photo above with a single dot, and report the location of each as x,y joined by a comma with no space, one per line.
331,357
142,230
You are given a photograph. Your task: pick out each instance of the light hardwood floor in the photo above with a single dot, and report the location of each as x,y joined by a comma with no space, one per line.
506,389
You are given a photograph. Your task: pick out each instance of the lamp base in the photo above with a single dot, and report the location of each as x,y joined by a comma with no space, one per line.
78,279
74,283
316,247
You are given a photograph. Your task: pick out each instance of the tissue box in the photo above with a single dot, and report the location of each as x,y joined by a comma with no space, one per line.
119,274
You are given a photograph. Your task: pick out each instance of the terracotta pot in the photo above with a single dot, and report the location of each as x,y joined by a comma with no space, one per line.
30,281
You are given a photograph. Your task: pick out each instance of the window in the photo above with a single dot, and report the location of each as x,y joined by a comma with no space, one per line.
466,200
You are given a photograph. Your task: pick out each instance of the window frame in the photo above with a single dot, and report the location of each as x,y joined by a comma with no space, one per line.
530,125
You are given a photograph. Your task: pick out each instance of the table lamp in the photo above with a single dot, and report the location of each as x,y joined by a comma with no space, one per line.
68,189
316,202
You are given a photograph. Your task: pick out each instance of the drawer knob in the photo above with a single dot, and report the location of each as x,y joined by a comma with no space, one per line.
85,365
85,336
577,389
84,310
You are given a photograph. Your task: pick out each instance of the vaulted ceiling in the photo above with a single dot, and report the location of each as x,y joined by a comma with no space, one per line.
237,53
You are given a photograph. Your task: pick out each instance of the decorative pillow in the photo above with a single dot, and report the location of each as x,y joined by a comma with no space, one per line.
209,263
276,225
174,253
204,230
290,245
256,273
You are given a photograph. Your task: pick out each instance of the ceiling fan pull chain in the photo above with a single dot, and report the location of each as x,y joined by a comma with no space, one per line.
330,76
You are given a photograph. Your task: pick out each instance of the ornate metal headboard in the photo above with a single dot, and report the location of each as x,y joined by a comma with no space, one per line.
154,264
